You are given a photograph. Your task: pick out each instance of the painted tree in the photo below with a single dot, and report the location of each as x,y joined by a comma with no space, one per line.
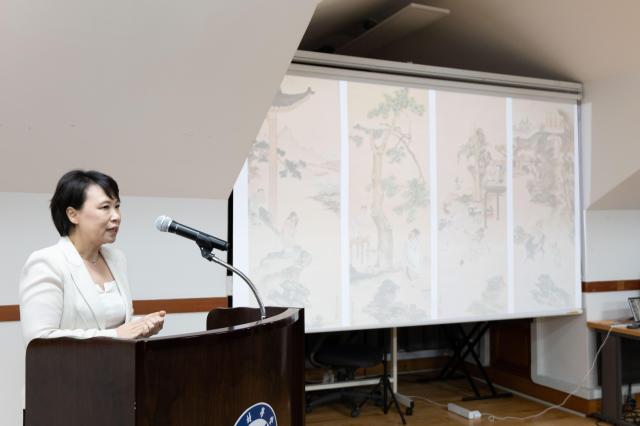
545,157
567,177
476,152
387,133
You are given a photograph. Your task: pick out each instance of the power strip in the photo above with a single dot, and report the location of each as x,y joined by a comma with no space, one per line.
461,411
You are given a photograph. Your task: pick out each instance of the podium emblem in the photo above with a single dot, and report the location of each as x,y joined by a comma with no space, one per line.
260,414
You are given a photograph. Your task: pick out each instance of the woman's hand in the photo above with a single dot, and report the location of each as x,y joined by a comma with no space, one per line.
146,326
154,322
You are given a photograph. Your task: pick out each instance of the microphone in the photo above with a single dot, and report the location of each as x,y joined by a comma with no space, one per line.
205,241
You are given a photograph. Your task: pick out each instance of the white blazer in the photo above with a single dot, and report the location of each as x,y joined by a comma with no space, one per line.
59,298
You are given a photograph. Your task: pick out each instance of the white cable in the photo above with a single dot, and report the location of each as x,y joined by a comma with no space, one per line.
493,418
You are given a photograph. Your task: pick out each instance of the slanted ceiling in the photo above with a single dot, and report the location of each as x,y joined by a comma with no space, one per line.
166,96
624,196
575,40
588,41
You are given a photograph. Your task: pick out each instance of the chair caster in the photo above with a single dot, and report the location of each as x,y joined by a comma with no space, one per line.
355,412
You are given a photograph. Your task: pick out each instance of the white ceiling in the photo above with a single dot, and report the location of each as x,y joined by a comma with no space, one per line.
166,96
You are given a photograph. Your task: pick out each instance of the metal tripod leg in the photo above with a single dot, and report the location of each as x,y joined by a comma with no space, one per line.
401,398
466,348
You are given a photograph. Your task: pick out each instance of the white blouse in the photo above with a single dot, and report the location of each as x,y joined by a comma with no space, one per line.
113,302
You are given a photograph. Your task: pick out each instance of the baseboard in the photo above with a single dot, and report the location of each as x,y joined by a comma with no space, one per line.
521,384
404,366
527,386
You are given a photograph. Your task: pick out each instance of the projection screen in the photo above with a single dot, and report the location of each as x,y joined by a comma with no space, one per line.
375,200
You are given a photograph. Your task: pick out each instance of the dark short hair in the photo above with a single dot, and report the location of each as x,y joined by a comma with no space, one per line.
71,191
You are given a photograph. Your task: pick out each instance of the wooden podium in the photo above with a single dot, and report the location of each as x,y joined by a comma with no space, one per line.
211,377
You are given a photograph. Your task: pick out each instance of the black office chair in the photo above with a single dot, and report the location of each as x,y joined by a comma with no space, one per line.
343,355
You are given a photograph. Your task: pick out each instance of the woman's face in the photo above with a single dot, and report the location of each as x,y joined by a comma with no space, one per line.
98,220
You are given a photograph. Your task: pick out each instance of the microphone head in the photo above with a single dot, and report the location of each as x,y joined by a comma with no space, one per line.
163,222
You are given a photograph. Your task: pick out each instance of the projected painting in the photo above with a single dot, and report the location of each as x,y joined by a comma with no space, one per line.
544,205
294,201
388,204
472,207
383,202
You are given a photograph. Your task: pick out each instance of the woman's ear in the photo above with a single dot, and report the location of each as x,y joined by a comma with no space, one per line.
72,215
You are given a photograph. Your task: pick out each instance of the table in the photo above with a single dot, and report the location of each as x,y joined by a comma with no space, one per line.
611,372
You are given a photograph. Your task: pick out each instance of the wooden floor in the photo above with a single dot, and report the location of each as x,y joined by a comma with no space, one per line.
428,414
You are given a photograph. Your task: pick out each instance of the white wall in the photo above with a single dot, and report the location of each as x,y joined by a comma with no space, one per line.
612,245
160,266
11,373
563,348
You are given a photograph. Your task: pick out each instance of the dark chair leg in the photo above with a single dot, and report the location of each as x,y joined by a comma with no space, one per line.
353,398
323,399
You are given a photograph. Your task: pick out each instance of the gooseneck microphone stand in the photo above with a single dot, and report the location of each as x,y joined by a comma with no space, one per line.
208,254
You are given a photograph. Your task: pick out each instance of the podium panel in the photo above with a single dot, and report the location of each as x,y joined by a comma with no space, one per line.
239,366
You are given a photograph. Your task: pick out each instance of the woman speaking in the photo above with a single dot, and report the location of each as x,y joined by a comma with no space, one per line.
78,287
